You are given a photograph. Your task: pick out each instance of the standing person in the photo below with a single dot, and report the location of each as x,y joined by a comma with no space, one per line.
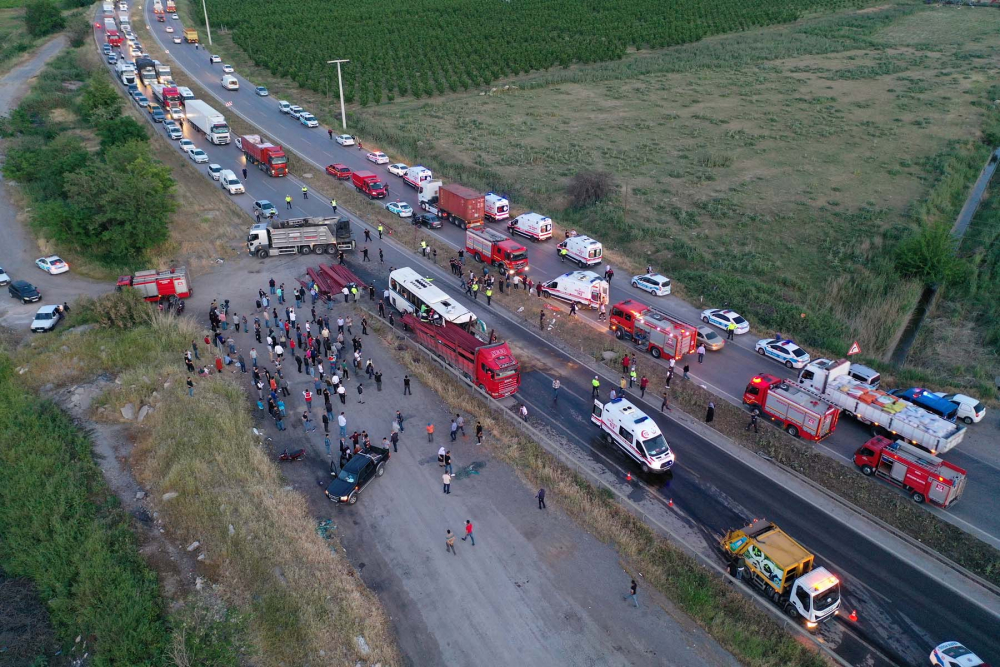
710,413
430,436
406,385
394,439
326,424
753,422
454,430
360,394
450,543
460,422
368,236
555,390
479,432
596,387
468,532
399,420
190,386
524,412
342,423
701,353
730,330
194,348
541,498
625,364
380,231
378,380
446,478
632,594
687,370
643,383
447,462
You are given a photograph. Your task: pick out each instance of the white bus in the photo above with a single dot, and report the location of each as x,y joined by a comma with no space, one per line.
409,292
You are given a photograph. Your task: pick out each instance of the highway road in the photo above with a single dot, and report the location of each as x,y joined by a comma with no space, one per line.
726,372
905,610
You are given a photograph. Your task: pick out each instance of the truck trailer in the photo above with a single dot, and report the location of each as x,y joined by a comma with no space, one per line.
303,236
125,71
783,570
888,415
653,331
269,158
463,206
491,367
209,122
495,249
147,70
155,285
798,412
923,476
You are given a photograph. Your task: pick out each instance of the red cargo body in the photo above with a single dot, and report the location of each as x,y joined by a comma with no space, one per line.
465,206
369,183
114,38
497,250
155,285
923,476
268,157
799,413
492,368
657,333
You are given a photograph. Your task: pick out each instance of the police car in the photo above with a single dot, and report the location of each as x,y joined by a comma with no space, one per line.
718,317
783,351
953,654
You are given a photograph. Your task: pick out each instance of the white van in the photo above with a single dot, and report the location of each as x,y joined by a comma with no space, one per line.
583,250
229,82
584,287
497,208
414,176
865,375
635,433
533,225
229,182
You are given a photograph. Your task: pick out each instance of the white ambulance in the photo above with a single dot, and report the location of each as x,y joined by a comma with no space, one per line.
635,433
497,208
415,176
584,287
533,225
583,250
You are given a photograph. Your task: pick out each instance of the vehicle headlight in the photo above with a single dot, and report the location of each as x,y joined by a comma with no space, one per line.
343,499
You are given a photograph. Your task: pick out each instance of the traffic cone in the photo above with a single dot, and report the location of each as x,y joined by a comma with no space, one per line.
854,615
628,476
670,503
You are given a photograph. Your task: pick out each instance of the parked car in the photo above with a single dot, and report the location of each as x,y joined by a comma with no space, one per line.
261,91
710,339
53,264
4,278
227,69
970,410
46,319
340,171
783,351
295,111
378,157
953,654
721,318
24,291
398,169
345,139
214,59
357,474
400,208
177,39
264,208
308,119
428,220
653,283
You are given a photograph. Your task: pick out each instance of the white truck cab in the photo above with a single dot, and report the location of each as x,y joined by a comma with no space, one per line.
635,433
583,287
583,250
535,226
427,193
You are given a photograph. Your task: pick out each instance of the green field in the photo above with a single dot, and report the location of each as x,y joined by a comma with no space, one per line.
432,47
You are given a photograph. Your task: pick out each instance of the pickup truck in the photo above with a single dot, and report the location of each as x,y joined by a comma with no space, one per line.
360,471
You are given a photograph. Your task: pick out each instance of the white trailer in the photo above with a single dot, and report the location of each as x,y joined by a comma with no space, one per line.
887,414
210,122
125,71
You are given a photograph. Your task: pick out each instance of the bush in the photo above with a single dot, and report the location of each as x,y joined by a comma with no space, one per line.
41,17
126,309
929,255
100,101
589,187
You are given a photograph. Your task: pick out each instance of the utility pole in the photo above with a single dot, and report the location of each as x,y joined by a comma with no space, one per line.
208,29
340,82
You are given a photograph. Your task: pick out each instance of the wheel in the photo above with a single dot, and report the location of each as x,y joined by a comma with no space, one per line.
792,612
263,253
380,470
867,470
967,420
655,351
792,430
479,258
705,320
353,498
645,468
788,364
546,293
305,250
760,351
618,334
918,497
635,284
462,224
331,249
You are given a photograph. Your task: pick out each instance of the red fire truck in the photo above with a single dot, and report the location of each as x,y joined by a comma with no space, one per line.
923,476
653,331
798,413
491,367
155,285
495,249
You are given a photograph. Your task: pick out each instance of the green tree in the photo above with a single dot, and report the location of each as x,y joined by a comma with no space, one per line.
121,130
41,17
44,168
100,101
929,254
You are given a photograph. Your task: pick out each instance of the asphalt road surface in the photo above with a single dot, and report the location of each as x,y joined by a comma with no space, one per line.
908,609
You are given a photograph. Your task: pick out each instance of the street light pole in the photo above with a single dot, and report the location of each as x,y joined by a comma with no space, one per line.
207,28
340,82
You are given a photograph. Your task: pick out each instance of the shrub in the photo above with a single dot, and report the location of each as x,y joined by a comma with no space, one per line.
587,188
929,255
41,17
121,310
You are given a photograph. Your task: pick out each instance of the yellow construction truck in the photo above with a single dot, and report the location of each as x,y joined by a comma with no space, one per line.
190,35
783,570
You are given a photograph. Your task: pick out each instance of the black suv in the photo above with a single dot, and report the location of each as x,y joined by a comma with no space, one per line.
428,220
24,291
357,474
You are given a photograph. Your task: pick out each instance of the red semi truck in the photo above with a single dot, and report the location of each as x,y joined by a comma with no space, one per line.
491,367
155,285
495,249
656,332
799,413
463,206
923,476
369,184
268,157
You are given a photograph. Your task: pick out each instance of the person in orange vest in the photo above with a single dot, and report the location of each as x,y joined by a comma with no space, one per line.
430,433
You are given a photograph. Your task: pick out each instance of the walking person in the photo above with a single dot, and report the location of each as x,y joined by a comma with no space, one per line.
753,422
710,413
643,383
701,353
664,404
555,390
468,532
632,593
460,422
244,173
454,430
406,385
541,498
450,543
479,432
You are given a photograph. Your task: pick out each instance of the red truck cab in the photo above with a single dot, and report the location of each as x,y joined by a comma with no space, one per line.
369,184
495,249
656,332
923,476
797,412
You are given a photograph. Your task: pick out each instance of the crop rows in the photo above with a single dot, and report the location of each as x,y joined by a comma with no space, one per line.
426,48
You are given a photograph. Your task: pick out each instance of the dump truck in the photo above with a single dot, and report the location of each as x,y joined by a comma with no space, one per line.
782,570
190,35
155,285
489,366
302,236
923,476
269,158
463,206
653,331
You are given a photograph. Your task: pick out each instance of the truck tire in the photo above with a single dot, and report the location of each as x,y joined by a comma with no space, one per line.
645,468
792,430
792,612
918,497
478,258
331,249
655,351
305,250
867,470
618,334
262,253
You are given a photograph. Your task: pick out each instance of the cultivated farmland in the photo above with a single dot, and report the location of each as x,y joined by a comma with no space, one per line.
427,48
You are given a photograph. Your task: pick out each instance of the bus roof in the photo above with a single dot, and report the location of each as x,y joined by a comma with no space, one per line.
433,297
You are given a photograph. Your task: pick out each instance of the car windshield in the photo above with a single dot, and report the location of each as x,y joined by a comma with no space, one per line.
348,477
377,186
710,335
956,651
656,446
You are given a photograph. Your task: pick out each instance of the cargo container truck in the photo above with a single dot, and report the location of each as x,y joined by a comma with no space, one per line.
495,249
798,412
209,122
154,285
302,236
923,476
782,570
653,331
463,206
886,414
147,70
269,158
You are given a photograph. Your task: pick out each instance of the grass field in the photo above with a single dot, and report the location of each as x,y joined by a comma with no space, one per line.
770,169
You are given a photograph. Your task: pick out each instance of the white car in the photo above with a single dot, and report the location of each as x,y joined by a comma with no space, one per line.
970,410
378,157
295,111
198,155
169,28
46,319
345,140
783,351
400,208
4,278
228,69
398,169
308,119
215,59
53,264
953,654
653,283
721,318
215,171
186,145
177,39
175,17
